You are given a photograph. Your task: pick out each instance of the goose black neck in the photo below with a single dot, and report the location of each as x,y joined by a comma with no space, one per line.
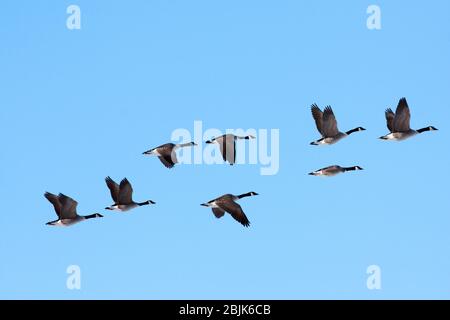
91,216
424,130
350,169
143,203
186,144
249,194
352,131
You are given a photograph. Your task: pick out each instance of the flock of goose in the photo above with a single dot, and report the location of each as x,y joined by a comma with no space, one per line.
398,124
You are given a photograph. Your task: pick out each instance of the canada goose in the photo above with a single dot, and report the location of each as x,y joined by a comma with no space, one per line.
227,144
334,170
166,153
122,196
66,209
227,203
327,126
398,123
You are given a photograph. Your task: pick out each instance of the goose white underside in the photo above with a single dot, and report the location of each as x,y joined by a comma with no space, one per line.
400,136
123,208
65,222
329,140
324,174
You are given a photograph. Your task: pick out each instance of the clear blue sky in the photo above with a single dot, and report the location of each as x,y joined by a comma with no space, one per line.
76,106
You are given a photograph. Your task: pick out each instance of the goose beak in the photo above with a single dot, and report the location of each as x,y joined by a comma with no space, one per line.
204,205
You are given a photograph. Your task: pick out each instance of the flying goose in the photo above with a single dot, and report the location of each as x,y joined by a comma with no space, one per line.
398,123
334,170
66,209
227,203
122,196
227,144
327,126
166,153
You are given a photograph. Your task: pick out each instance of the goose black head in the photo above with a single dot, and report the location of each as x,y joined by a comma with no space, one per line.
212,140
148,152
